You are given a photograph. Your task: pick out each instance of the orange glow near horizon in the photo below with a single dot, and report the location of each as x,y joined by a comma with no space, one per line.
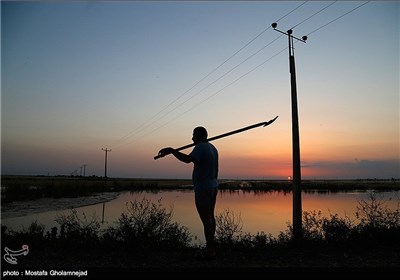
245,156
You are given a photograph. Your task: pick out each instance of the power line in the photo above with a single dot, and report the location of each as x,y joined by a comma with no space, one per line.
291,11
213,82
338,18
237,79
202,79
217,92
147,124
313,14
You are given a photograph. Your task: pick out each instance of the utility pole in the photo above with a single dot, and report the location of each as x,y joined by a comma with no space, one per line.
297,209
105,168
84,170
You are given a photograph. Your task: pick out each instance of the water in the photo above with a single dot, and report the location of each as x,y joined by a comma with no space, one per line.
258,211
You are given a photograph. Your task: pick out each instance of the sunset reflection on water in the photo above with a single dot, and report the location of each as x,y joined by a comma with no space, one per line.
259,211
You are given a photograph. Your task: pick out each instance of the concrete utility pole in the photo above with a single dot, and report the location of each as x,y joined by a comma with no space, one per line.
297,210
105,168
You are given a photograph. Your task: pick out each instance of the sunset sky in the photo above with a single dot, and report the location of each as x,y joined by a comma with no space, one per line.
137,76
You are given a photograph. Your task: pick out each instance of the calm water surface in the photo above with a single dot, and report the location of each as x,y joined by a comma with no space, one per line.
268,212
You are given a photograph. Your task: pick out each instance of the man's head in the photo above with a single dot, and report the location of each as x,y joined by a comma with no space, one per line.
199,134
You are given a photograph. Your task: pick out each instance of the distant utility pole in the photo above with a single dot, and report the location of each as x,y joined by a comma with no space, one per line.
297,212
84,170
105,168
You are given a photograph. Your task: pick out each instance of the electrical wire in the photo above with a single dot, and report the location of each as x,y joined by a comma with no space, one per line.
213,82
146,124
233,82
338,18
313,15
217,92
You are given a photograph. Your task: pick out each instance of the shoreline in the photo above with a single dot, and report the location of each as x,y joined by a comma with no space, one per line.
18,209
19,190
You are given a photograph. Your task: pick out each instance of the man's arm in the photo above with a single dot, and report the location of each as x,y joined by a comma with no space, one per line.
181,156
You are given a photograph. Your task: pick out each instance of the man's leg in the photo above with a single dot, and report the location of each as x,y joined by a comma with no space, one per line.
205,204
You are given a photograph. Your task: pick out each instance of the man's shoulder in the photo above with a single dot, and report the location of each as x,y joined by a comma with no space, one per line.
204,145
212,146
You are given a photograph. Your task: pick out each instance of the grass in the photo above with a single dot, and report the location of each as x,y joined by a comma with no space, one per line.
15,188
32,187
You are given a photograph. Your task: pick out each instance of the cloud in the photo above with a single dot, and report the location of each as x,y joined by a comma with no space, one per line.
356,169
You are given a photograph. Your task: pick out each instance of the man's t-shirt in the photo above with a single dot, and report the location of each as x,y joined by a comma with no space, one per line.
205,170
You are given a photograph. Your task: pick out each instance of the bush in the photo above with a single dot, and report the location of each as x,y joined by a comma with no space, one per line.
77,231
337,229
145,224
229,233
374,221
377,223
228,227
375,214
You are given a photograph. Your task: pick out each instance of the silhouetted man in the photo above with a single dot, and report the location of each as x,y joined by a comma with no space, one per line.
205,173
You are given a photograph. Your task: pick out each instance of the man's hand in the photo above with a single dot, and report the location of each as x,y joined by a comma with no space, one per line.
166,151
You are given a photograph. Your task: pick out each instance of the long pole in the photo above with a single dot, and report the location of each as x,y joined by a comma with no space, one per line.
226,134
84,170
105,164
102,217
297,208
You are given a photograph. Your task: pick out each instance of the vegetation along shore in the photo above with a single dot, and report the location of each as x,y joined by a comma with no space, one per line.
15,188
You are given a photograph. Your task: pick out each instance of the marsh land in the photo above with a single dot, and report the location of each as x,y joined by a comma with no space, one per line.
331,247
17,188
